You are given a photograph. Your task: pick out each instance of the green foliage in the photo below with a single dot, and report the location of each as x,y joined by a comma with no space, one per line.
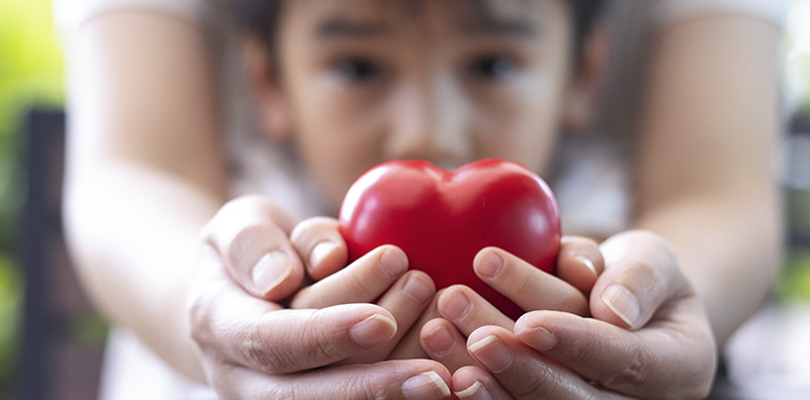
31,72
794,283
11,292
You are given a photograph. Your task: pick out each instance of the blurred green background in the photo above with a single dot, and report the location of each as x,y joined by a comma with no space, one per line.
32,73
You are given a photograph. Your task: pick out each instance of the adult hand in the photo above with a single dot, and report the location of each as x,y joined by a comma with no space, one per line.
649,337
462,311
251,347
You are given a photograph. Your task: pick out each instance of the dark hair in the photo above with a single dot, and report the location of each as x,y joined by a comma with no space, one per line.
260,17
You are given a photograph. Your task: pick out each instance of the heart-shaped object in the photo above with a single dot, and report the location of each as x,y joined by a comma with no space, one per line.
442,219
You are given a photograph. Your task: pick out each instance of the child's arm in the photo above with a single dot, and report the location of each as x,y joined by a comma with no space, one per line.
145,174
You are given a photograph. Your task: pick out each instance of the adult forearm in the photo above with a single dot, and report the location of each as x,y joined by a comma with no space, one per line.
133,234
705,183
730,251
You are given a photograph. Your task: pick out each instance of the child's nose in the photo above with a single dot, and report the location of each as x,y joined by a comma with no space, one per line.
430,122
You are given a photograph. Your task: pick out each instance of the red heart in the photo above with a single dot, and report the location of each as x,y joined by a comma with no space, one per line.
442,219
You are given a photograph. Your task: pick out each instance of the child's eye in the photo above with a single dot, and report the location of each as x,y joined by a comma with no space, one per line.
494,67
358,70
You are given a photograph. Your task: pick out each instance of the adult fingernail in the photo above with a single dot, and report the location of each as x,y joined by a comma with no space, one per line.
493,353
439,340
373,330
623,303
476,391
455,306
417,289
320,252
427,385
272,269
394,262
587,262
490,264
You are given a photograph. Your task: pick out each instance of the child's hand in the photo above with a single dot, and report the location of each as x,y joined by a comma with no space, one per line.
650,337
462,311
250,347
380,276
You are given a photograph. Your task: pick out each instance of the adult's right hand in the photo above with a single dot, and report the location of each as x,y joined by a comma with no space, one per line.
252,347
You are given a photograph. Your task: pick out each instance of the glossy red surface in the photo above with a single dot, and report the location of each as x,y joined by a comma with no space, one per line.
442,219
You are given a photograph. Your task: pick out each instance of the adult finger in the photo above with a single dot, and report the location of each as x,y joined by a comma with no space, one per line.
519,370
674,355
579,262
406,380
251,234
527,286
320,245
641,273
406,300
363,281
229,325
445,344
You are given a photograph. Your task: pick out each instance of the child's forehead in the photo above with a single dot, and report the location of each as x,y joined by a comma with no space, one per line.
343,17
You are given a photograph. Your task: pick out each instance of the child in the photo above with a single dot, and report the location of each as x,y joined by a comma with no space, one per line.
348,84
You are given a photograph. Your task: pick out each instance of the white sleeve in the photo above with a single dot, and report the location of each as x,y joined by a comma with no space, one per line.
673,11
69,15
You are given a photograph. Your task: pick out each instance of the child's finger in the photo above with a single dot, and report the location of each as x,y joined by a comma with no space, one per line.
405,301
363,281
468,311
641,273
320,245
520,371
251,234
410,347
234,328
527,286
579,262
443,343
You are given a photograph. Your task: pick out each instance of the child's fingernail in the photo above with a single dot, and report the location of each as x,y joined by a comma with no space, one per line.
373,330
320,252
425,386
493,353
587,262
539,338
272,269
394,262
490,265
439,340
417,289
476,391
455,306
623,303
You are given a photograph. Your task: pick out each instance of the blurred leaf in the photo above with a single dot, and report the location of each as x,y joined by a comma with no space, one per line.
11,294
794,283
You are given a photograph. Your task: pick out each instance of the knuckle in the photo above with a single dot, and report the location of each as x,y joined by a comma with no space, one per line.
326,347
361,286
634,372
254,348
541,384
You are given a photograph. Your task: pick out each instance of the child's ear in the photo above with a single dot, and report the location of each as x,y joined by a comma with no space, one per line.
271,103
583,94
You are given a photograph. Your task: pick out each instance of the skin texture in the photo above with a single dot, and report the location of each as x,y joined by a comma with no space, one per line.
146,176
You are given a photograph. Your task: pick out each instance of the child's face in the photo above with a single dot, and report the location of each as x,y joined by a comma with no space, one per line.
364,81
